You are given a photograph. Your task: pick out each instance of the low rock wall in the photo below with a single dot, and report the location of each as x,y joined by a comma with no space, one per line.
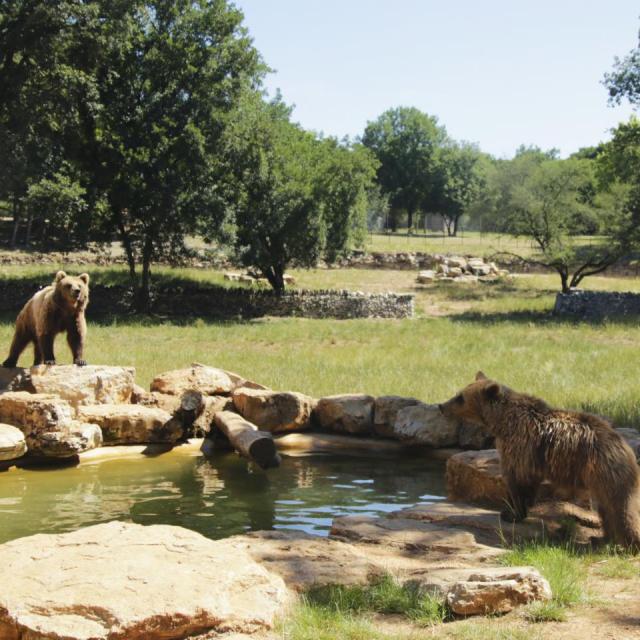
595,305
228,303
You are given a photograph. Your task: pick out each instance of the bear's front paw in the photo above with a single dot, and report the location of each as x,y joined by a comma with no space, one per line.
49,361
509,515
80,363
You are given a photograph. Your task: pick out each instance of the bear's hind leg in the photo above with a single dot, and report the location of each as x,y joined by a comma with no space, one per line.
21,339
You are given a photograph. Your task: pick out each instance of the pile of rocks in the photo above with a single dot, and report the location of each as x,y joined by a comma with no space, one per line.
59,412
461,270
246,278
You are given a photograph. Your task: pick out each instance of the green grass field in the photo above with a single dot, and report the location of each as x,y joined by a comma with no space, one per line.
504,329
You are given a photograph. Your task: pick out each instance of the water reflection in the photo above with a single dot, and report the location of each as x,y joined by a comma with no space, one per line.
218,497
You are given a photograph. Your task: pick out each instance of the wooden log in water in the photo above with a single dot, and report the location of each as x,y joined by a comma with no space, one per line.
247,439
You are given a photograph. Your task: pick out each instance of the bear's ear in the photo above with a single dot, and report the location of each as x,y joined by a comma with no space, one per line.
84,277
480,376
492,390
60,275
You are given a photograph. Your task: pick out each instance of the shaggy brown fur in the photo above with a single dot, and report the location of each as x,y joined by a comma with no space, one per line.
570,449
56,308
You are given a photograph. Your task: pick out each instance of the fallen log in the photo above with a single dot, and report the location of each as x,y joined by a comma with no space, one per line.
258,446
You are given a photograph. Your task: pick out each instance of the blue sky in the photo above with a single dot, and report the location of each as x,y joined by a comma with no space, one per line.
496,72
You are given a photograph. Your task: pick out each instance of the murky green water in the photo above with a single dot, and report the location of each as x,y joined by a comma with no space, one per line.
216,497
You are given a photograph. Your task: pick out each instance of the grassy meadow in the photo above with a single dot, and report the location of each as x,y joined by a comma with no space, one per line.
504,329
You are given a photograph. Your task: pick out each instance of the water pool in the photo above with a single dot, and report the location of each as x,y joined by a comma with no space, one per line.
218,496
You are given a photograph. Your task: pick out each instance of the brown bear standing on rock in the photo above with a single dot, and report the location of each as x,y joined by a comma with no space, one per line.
56,308
570,449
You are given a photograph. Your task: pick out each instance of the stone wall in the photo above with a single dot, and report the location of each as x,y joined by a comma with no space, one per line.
229,303
594,305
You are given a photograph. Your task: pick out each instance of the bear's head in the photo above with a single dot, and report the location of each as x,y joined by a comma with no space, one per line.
471,404
73,290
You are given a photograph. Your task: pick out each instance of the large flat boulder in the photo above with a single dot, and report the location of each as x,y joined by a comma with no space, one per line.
208,380
274,411
348,413
34,413
132,423
424,424
122,581
67,441
475,477
385,412
304,560
92,384
409,535
12,443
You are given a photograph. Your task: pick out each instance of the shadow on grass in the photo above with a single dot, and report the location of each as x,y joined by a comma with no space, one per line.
539,317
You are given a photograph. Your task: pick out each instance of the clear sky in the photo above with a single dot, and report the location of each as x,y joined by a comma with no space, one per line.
496,72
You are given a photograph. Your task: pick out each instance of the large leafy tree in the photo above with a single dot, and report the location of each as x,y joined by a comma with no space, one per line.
167,81
46,62
551,204
624,81
459,183
295,198
405,142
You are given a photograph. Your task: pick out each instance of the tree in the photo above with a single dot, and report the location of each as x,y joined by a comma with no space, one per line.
295,198
459,183
550,206
405,142
624,81
45,62
167,79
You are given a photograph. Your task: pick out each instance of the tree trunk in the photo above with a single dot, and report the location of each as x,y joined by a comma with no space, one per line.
143,302
247,439
275,276
27,238
409,219
564,278
16,222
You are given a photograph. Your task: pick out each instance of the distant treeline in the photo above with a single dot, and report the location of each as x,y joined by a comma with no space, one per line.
146,121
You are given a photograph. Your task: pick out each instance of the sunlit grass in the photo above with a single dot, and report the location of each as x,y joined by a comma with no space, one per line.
566,571
505,329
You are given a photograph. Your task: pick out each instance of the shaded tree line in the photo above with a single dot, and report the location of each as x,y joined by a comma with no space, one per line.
145,121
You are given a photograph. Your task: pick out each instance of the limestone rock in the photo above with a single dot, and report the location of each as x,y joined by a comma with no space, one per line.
34,413
273,410
385,412
349,413
12,443
131,423
164,401
119,581
424,424
474,476
426,277
466,278
409,535
212,405
66,442
497,590
304,560
92,384
208,380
